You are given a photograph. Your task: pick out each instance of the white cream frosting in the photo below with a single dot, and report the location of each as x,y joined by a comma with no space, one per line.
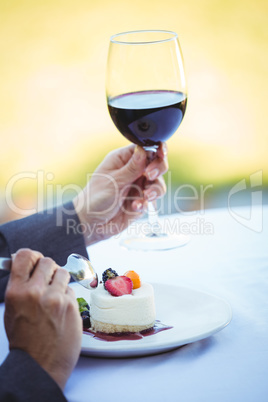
136,309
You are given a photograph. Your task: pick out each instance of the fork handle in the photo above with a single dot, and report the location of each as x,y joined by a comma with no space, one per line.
5,263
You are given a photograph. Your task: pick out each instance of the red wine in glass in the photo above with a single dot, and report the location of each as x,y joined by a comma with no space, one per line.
147,118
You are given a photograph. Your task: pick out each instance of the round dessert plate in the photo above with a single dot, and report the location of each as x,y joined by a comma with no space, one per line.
194,315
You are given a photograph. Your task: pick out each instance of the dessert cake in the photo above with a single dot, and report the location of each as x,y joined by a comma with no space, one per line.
122,304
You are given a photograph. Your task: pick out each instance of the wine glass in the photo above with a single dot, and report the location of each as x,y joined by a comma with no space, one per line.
147,96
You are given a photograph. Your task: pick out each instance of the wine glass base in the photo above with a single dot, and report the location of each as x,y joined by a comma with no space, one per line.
155,242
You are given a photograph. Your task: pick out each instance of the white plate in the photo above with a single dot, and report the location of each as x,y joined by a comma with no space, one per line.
194,315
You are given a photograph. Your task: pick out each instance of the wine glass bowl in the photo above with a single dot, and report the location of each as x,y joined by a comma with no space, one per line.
147,97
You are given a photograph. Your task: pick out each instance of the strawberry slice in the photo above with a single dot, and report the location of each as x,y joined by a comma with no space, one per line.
119,286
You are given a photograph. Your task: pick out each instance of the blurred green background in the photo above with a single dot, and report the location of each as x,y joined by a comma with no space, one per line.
54,123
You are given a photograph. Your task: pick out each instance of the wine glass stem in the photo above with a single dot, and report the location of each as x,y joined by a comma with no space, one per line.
154,225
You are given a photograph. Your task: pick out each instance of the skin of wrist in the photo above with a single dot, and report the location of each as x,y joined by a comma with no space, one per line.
59,376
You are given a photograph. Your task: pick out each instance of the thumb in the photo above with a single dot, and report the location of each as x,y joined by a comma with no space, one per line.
135,166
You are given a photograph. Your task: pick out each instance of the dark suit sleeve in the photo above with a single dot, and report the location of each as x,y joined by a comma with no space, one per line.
22,379
56,233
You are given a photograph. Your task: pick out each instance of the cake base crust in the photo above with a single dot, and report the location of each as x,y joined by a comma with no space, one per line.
98,326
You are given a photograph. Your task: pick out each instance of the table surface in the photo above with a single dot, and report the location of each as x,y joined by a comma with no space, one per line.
227,256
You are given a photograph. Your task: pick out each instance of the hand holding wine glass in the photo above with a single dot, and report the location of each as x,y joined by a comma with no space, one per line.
118,191
147,97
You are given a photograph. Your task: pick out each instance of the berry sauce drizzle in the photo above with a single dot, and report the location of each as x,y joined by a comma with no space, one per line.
127,336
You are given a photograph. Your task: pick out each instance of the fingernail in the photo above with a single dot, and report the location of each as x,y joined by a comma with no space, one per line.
152,196
153,174
138,206
138,154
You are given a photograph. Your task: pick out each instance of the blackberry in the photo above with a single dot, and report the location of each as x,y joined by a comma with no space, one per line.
85,313
86,319
108,274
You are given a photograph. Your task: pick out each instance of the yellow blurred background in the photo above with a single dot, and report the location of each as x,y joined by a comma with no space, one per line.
54,123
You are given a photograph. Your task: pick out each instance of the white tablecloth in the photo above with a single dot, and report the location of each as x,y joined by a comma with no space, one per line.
228,257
